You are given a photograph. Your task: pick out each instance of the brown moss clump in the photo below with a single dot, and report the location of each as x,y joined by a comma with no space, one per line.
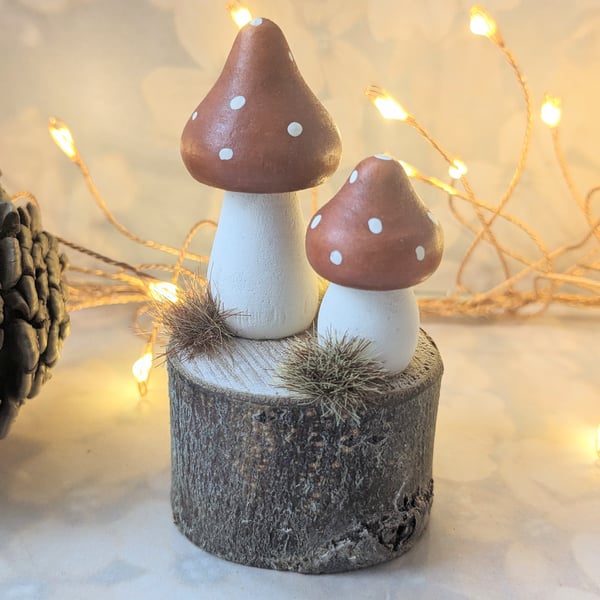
336,374
196,323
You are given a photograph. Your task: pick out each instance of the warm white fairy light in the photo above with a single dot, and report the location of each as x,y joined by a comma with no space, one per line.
550,112
239,13
390,109
63,138
413,172
387,106
481,23
141,371
163,291
408,169
457,169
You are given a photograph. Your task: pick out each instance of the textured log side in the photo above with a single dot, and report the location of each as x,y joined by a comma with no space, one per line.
266,481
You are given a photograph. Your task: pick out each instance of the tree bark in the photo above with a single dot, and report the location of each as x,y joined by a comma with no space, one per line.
263,479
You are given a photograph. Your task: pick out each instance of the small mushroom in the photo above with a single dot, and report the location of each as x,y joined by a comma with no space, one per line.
261,135
373,241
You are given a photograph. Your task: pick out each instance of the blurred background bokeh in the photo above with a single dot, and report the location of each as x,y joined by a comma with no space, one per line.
126,75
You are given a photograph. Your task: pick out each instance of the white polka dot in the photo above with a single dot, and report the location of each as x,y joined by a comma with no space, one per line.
225,153
420,252
336,257
256,22
194,115
383,157
375,225
316,221
432,217
294,129
353,176
237,102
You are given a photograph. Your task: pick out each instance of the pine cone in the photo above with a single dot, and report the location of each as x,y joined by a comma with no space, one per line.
33,317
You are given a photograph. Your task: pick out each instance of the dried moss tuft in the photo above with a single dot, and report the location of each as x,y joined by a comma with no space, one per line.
336,374
196,323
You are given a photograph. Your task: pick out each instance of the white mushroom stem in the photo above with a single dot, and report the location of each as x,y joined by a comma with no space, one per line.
389,320
258,266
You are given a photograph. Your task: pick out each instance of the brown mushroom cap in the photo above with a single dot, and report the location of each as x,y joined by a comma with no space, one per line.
260,129
375,233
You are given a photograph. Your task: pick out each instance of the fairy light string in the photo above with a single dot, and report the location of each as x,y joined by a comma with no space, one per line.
63,137
491,32
391,109
128,284
118,282
504,298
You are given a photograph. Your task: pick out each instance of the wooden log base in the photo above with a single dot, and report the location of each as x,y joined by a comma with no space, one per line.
263,479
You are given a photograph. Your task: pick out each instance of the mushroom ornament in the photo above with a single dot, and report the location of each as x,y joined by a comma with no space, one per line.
260,134
374,240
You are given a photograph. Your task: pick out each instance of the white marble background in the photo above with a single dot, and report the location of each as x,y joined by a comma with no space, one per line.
84,475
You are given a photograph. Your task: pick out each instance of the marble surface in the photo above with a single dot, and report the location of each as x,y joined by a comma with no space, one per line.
84,479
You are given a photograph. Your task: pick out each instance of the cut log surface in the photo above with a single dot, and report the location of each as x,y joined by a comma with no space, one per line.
264,479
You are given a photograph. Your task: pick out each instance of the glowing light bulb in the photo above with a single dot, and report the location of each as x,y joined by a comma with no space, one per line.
457,169
163,291
141,371
239,13
551,112
385,104
61,135
408,169
390,109
598,442
482,24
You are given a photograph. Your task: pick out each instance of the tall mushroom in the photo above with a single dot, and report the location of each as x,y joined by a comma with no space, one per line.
373,241
261,135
